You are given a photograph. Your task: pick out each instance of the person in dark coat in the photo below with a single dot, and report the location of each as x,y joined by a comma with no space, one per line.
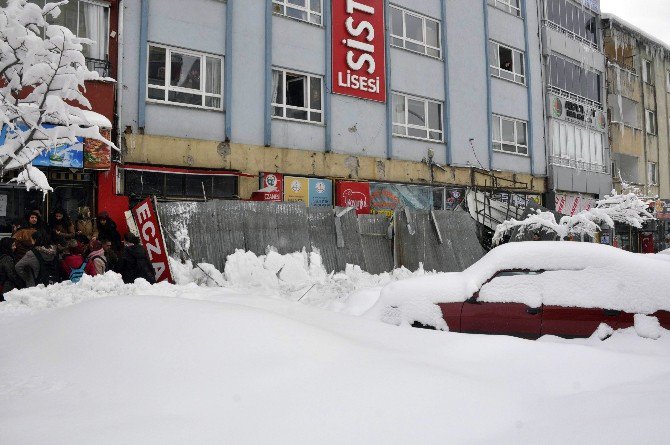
107,230
40,264
134,262
110,255
9,279
60,226
24,235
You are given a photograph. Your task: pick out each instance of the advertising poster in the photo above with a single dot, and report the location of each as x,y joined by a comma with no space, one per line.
320,192
296,189
354,194
151,235
63,155
454,198
662,208
271,188
98,155
358,52
386,198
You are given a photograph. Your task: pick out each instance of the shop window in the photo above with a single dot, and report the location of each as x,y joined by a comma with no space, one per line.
184,77
572,78
415,32
650,118
139,184
511,6
90,20
510,135
573,20
647,72
417,118
297,96
507,63
305,10
652,173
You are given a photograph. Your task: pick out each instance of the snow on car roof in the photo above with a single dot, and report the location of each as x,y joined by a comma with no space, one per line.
578,275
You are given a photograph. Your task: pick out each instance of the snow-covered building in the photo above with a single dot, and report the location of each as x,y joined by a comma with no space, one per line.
574,73
221,98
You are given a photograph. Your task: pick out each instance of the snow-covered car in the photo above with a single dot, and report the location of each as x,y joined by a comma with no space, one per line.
532,289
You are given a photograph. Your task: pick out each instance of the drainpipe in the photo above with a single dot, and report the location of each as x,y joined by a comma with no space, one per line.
529,87
268,74
119,76
327,22
389,94
446,115
144,47
228,76
489,105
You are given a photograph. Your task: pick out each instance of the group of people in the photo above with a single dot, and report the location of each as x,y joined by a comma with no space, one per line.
39,253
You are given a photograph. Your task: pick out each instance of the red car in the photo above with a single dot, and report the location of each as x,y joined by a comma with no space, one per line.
538,288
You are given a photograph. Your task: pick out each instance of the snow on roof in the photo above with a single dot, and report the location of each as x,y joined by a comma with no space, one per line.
629,26
577,275
97,119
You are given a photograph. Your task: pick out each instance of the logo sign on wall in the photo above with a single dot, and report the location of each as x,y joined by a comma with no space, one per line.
354,194
314,192
359,62
272,188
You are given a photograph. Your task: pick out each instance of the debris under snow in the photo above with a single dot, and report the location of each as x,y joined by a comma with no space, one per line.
648,327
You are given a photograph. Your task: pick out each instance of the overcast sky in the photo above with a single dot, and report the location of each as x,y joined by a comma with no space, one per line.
652,16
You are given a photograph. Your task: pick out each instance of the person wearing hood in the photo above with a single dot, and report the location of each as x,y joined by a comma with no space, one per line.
107,230
60,226
24,235
9,279
134,263
40,264
85,225
73,259
97,257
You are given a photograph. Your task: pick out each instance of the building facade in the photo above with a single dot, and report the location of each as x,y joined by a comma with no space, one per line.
576,126
222,98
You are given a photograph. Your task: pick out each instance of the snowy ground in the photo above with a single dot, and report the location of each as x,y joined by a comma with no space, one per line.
107,363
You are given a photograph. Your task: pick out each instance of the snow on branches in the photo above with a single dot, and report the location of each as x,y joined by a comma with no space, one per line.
626,208
42,72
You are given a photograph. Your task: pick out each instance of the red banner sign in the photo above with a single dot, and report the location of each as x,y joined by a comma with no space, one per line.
152,239
272,188
359,62
354,194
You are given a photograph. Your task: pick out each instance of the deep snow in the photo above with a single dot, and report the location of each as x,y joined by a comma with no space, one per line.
106,363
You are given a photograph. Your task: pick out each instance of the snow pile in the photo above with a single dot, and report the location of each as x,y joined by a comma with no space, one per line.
648,327
575,275
603,332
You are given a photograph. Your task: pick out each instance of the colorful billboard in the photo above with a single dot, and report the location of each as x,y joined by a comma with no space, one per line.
98,155
358,51
314,192
63,155
355,195
386,198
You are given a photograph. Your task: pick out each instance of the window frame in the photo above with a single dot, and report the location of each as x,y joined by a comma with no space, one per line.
598,78
650,122
647,72
652,173
307,9
404,39
127,174
563,27
502,142
406,125
667,80
307,109
506,6
496,71
168,87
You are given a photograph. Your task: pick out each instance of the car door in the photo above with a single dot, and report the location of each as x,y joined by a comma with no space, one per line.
573,322
501,318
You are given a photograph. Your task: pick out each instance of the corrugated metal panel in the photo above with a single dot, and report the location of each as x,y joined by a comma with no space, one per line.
376,244
321,222
352,251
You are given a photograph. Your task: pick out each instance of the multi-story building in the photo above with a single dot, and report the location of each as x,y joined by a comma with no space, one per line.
74,171
638,89
383,96
574,74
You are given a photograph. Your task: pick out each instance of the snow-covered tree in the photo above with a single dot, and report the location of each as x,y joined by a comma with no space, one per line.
625,208
42,75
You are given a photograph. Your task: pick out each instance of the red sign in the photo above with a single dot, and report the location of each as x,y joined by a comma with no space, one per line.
359,62
152,239
354,194
272,187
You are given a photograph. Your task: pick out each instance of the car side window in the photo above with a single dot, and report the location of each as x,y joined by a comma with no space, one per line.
513,273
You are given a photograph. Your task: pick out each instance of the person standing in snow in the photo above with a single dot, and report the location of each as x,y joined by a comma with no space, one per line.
134,262
9,279
40,264
97,257
107,230
85,225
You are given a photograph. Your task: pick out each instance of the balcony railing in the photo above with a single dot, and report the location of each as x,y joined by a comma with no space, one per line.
101,66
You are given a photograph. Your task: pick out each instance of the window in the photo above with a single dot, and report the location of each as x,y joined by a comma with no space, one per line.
507,63
650,121
417,118
90,20
510,135
574,20
306,10
184,77
140,184
511,6
647,72
572,78
652,173
297,96
415,32
577,147
628,114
